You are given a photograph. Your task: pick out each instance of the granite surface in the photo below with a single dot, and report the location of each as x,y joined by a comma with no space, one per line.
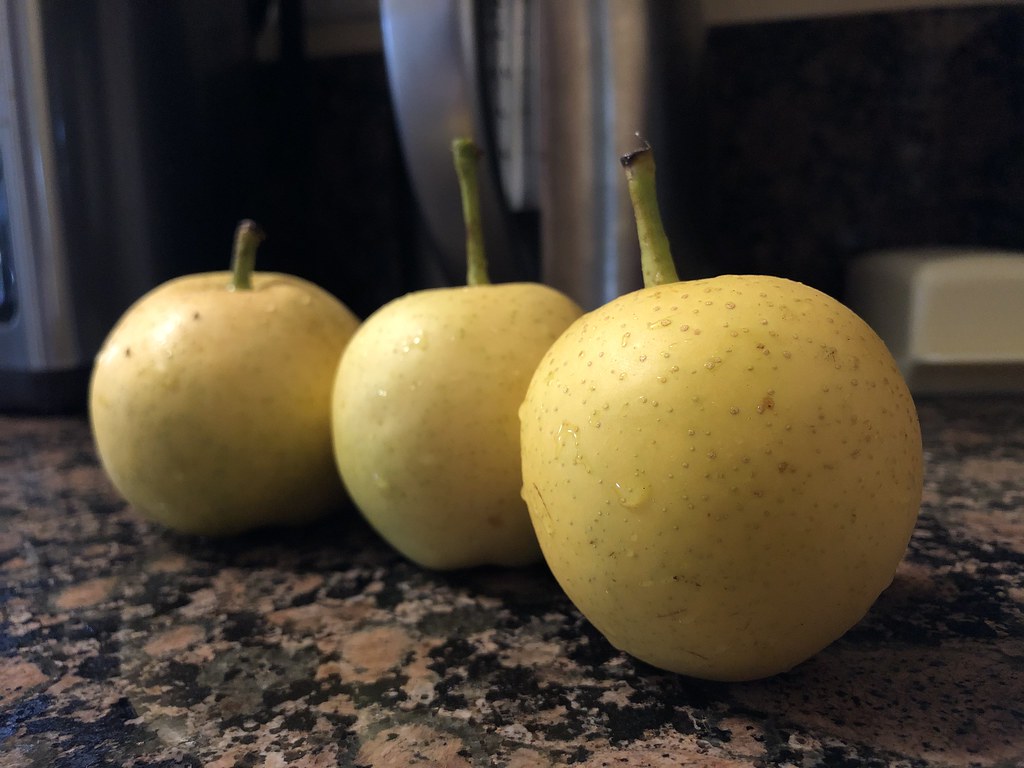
124,645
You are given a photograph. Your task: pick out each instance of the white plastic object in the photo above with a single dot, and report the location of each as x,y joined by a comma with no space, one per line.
952,317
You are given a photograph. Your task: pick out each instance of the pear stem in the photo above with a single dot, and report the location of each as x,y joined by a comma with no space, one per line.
467,158
248,236
655,254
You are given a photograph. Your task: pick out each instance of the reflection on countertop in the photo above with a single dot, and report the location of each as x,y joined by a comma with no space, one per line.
121,644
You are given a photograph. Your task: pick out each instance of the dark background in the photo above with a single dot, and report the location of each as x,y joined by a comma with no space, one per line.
817,140
821,139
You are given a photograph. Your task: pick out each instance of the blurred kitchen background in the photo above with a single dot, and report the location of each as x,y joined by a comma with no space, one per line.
791,136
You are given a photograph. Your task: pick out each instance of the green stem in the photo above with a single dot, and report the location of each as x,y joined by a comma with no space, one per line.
467,158
248,236
655,254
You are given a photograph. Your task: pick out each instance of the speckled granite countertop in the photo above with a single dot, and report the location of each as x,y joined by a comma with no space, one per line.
123,645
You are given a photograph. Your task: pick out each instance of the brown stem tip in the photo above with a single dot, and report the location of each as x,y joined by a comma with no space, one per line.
251,228
630,157
248,236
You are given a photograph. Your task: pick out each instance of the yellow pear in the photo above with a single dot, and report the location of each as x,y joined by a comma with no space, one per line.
210,398
425,409
723,474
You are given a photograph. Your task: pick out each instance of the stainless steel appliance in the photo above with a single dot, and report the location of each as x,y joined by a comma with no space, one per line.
110,171
555,92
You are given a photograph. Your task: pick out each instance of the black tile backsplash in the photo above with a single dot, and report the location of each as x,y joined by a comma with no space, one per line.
831,137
